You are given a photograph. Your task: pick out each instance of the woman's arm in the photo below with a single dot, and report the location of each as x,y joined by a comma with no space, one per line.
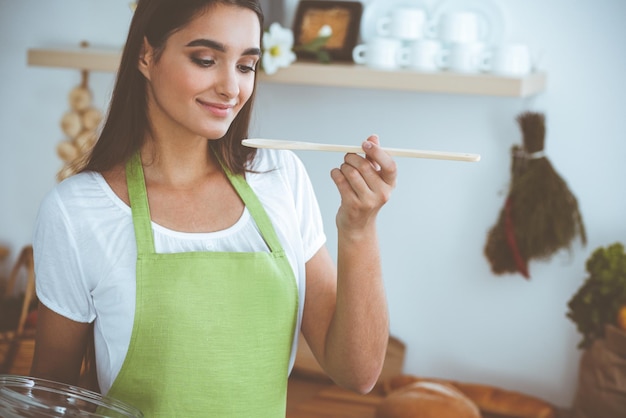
60,345
345,321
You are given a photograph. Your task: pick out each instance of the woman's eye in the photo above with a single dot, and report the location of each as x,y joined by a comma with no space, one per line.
203,62
247,68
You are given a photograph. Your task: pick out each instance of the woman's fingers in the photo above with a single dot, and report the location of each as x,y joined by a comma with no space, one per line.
365,183
376,172
384,163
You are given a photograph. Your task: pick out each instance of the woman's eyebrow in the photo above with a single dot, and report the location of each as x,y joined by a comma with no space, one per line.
218,46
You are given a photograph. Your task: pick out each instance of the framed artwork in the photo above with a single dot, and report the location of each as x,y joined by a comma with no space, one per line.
343,17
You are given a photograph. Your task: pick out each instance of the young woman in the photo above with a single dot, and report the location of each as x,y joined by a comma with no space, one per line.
189,255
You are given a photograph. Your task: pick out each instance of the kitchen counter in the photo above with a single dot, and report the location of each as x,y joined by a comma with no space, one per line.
312,398
307,398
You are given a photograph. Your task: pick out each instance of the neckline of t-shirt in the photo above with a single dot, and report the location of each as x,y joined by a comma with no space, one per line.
237,226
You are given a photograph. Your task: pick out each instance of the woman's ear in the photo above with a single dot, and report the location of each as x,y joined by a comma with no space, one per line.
146,54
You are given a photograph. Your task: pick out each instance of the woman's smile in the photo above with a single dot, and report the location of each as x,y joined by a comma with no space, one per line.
217,109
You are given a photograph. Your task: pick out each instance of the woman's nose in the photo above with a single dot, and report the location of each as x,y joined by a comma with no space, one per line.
228,83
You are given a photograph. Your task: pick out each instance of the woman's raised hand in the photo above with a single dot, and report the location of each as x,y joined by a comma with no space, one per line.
365,185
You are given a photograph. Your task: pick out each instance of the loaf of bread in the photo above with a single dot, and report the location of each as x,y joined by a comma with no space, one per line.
427,400
488,399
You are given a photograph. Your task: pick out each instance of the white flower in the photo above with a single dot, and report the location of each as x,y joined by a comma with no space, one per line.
278,45
325,31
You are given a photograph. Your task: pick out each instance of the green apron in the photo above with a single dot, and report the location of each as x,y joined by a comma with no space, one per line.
212,332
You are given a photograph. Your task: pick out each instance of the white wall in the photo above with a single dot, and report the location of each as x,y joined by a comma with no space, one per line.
458,320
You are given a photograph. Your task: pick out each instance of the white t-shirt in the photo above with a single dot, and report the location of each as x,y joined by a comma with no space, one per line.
85,251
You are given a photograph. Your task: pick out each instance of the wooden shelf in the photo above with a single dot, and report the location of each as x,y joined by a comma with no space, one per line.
333,75
91,59
351,75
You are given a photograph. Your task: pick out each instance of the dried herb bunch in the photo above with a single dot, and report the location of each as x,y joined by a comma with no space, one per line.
540,215
599,299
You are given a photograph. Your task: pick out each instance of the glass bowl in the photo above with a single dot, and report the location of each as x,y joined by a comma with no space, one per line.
22,396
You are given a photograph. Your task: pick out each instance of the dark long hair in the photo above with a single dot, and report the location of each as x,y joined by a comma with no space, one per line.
127,122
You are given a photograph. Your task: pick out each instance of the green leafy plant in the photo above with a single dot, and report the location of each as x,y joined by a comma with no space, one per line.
317,46
599,299
279,51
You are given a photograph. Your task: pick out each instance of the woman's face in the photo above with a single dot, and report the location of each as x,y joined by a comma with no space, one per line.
205,73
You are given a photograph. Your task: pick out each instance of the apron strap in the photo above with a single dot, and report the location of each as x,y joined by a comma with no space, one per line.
256,209
139,205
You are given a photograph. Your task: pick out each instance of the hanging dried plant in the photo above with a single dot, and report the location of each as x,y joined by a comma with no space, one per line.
540,215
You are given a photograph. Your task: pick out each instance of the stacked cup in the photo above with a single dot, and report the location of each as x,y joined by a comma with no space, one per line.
510,60
390,48
457,41
465,36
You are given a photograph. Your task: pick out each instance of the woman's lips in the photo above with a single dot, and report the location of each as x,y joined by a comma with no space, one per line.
217,109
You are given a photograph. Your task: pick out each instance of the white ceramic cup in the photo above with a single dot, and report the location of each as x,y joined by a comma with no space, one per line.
406,23
427,55
511,60
462,27
381,53
472,57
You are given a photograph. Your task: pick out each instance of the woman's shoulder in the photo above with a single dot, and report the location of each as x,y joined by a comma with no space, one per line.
72,188
83,193
282,175
267,160
80,186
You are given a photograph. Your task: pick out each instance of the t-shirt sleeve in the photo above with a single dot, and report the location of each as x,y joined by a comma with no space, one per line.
307,208
60,282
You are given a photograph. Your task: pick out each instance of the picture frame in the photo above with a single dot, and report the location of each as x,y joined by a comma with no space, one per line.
343,17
